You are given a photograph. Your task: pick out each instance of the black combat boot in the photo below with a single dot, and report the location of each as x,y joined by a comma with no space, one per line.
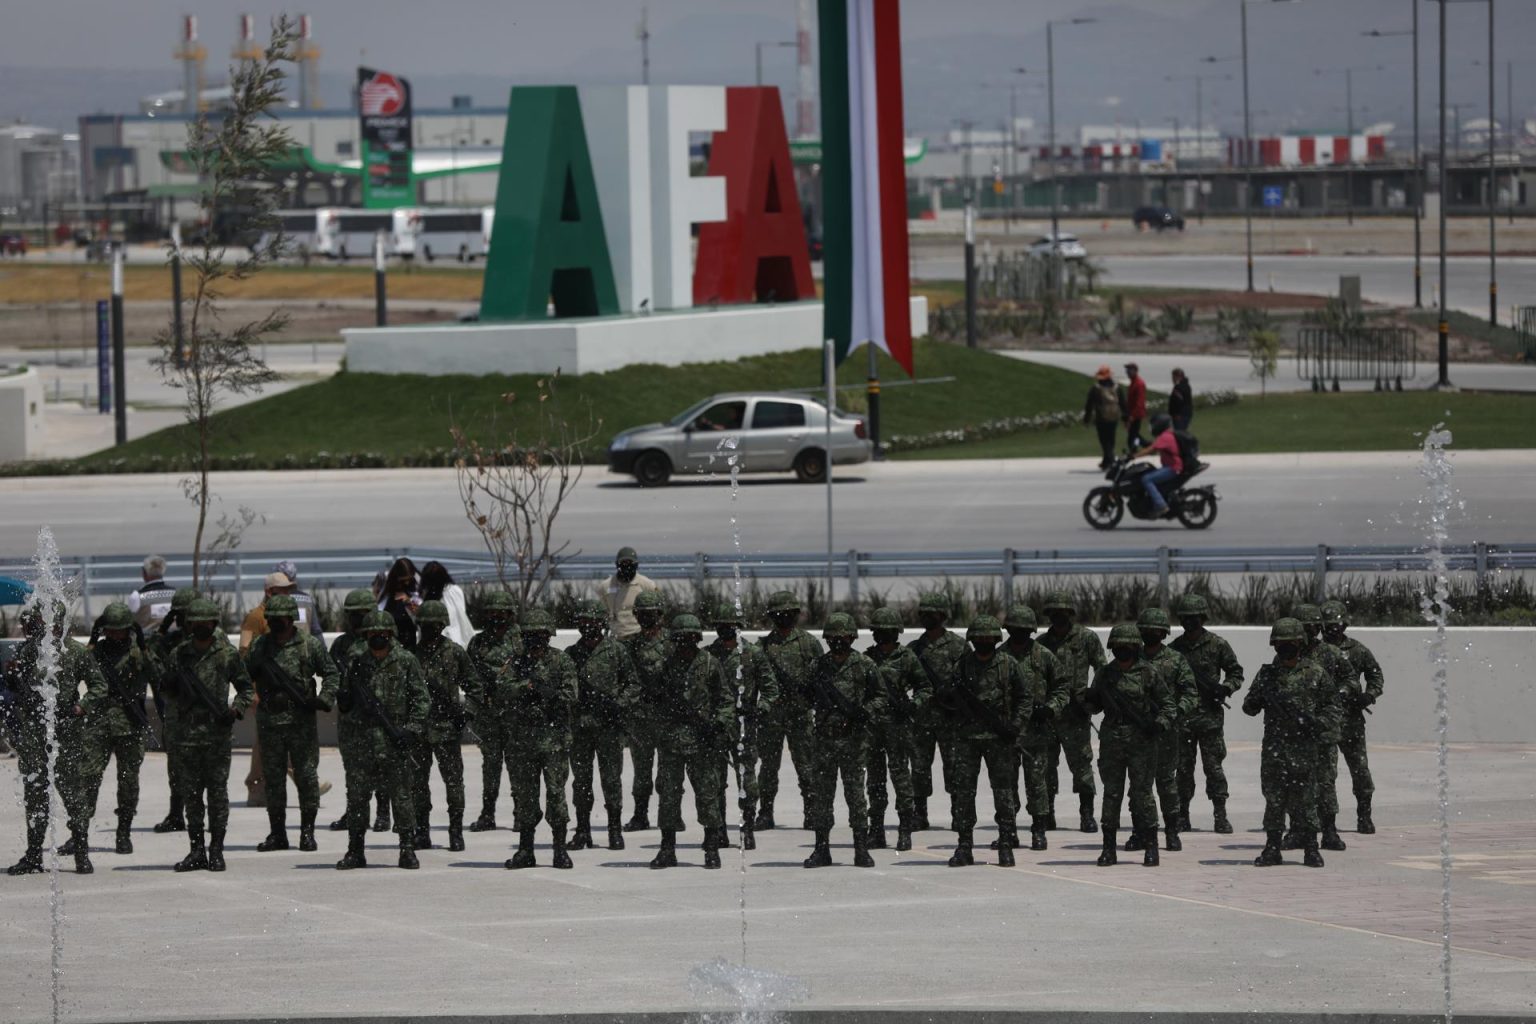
422,838
1331,838
1037,840
340,824
1223,826
1310,857
615,827
216,850
307,830
31,862
124,835
764,820
861,857
408,859
1171,840
1150,857
821,853
962,858
666,857
748,836
1108,856
197,857
903,833
354,857
920,815
561,857
1363,823
1007,839
67,848
1292,840
381,820
1085,813
723,838
523,858
456,831
82,852
876,834
487,820
1270,855
277,831
581,839
1049,817
1136,842
641,819
711,849
1183,824
175,819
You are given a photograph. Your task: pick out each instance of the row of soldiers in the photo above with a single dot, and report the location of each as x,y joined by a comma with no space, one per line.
1001,696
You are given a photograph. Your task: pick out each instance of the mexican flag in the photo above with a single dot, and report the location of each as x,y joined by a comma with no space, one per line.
864,184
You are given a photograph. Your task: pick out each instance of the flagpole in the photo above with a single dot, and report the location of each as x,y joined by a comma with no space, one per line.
831,369
874,402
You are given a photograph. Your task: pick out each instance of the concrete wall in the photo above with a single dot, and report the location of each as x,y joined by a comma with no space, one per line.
21,414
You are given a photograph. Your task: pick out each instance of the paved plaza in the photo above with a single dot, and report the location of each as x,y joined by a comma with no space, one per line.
284,935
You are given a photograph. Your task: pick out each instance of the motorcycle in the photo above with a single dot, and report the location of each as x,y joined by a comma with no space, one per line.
1104,507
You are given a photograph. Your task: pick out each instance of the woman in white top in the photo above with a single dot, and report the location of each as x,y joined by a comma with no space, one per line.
438,585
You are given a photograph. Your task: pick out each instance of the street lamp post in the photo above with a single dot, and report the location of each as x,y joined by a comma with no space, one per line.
1493,249
1443,327
1349,115
1418,160
1050,90
1248,138
758,47
1199,81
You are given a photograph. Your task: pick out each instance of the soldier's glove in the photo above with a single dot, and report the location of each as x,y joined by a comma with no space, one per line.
317,704
231,716
1041,714
1364,700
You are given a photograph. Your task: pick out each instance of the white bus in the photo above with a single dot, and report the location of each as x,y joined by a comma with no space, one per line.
462,234
349,233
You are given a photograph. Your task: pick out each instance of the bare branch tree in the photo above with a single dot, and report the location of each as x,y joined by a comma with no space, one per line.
514,488
231,150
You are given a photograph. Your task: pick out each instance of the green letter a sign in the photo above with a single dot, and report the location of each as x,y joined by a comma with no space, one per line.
547,243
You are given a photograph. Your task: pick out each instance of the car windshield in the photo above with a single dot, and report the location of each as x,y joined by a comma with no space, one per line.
689,413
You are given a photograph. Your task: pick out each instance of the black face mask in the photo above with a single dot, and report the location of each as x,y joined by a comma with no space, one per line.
648,620
785,620
725,631
280,627
840,644
379,642
626,573
930,620
1191,623
1152,637
533,643
984,648
887,636
112,646
1287,649
1127,654
355,621
686,648
202,631
430,631
1061,621
1333,634
1024,638
592,631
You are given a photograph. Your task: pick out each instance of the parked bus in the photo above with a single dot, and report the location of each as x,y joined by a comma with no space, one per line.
351,232
462,234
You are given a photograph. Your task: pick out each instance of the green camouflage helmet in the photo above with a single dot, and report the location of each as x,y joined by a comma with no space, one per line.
1334,613
687,625
648,601
203,610
1287,629
182,599
282,606
432,613
591,609
361,600
1021,616
1308,615
1125,635
378,622
727,615
538,621
885,618
498,601
839,624
1153,618
626,554
1058,601
116,616
783,601
933,601
1192,606
984,627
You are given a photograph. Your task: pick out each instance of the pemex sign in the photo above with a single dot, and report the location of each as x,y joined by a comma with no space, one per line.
597,203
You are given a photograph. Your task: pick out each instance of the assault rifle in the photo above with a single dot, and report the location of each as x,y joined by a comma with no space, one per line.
188,682
823,694
977,709
374,709
284,681
1107,696
1211,693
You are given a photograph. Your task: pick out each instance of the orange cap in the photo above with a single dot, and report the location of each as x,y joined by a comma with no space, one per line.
1105,373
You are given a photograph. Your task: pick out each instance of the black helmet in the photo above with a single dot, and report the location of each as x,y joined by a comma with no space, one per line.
1161,422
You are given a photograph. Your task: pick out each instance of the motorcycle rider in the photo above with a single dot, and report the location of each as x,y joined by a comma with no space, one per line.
1166,445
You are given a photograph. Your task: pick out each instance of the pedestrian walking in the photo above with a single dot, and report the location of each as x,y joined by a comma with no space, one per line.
1102,411
1135,406
1181,401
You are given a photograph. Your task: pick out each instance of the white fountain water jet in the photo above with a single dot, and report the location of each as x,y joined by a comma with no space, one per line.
1437,471
734,461
757,996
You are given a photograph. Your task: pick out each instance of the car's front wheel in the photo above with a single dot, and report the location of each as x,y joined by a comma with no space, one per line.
653,469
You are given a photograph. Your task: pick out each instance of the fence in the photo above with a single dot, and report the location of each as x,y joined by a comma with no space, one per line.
1384,355
1525,327
113,576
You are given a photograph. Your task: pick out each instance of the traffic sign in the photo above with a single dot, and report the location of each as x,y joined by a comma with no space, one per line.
1274,195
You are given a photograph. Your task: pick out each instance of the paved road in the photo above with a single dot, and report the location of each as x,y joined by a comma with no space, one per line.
1367,498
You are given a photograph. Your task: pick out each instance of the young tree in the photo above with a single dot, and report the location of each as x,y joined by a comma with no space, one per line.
1264,355
230,150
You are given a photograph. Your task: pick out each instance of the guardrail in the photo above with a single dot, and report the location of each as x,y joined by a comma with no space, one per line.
116,575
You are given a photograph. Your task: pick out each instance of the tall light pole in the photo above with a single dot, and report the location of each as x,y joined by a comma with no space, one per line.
1248,137
1199,81
1443,326
758,47
1418,159
1050,89
1493,249
1349,116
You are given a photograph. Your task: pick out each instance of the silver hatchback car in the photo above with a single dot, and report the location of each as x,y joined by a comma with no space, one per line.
775,432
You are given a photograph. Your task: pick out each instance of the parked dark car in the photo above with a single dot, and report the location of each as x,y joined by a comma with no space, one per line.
1159,217
13,243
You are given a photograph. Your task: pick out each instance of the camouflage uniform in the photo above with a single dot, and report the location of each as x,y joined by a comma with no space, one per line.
907,692
1352,713
989,705
116,720
287,729
648,649
162,642
1180,678
938,650
382,685
791,653
1296,701
694,715
608,685
1218,675
846,694
1081,655
1046,685
491,649
355,608
198,680
751,678
1137,704
1331,660
448,672
537,697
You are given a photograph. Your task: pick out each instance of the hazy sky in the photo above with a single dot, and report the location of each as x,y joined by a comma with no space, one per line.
958,54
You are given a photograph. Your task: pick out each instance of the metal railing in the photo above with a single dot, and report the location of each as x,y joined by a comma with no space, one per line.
114,576
1384,355
1525,328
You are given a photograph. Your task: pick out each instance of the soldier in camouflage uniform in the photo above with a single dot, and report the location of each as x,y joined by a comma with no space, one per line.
491,649
448,672
355,608
1218,675
385,695
847,695
791,653
1295,696
607,687
198,677
937,650
115,717
648,650
1357,701
1331,660
989,706
1138,706
538,697
284,663
751,679
907,692
1081,655
1046,684
27,724
1180,678
694,715
162,642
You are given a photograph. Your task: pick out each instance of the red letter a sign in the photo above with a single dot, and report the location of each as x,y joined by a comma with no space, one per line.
758,253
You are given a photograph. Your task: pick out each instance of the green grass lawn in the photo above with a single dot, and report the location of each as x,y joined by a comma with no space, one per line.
1302,422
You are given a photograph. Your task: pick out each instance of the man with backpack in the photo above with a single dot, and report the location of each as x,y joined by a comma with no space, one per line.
1102,410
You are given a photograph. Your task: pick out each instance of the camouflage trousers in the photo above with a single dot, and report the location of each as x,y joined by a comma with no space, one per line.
1032,768
532,760
597,749
839,756
298,744
493,760
1166,773
449,755
704,767
377,765
96,749
1072,735
965,759
346,744
777,732
32,766
928,740
742,765
1203,735
1288,778
640,738
890,753
1124,753
204,772
1352,745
